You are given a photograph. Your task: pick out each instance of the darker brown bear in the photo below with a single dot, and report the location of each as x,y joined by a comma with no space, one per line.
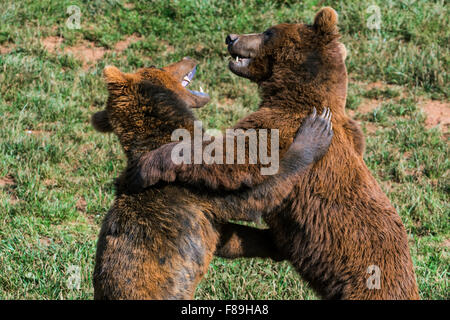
156,243
337,227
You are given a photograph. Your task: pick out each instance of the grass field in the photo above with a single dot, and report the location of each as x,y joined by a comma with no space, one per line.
56,172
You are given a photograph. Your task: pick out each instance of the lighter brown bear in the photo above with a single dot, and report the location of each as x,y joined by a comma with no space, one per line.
157,242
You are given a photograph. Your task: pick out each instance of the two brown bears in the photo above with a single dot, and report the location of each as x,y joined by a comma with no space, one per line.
336,227
157,243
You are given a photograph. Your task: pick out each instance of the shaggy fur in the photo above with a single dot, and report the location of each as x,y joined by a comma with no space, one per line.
337,223
157,243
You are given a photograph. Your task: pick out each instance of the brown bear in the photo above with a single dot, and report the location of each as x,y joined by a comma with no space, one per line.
157,243
337,227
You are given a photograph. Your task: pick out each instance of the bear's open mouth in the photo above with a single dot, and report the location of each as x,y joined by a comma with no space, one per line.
239,65
240,61
187,80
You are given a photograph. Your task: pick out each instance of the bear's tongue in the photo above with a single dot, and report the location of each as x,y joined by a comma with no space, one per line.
188,78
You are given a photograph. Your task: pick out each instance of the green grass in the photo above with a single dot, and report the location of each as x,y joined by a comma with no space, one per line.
58,183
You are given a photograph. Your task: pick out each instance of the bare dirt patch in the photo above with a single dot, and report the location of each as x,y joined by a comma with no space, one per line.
6,48
7,180
446,243
86,51
226,104
8,183
375,85
124,44
199,48
45,241
52,43
129,6
81,205
50,183
437,113
368,105
13,199
379,85
370,128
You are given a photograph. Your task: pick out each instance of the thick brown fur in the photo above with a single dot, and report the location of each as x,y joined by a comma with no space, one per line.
337,223
157,243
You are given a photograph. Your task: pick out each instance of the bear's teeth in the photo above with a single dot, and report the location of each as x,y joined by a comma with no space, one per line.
201,90
237,59
185,81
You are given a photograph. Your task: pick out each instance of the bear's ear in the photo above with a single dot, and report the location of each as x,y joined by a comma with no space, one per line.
100,122
113,75
326,20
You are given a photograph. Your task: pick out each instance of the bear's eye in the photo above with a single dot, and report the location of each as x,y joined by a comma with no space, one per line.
267,34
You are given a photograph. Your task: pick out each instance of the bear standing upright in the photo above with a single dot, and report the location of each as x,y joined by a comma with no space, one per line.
157,243
337,227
